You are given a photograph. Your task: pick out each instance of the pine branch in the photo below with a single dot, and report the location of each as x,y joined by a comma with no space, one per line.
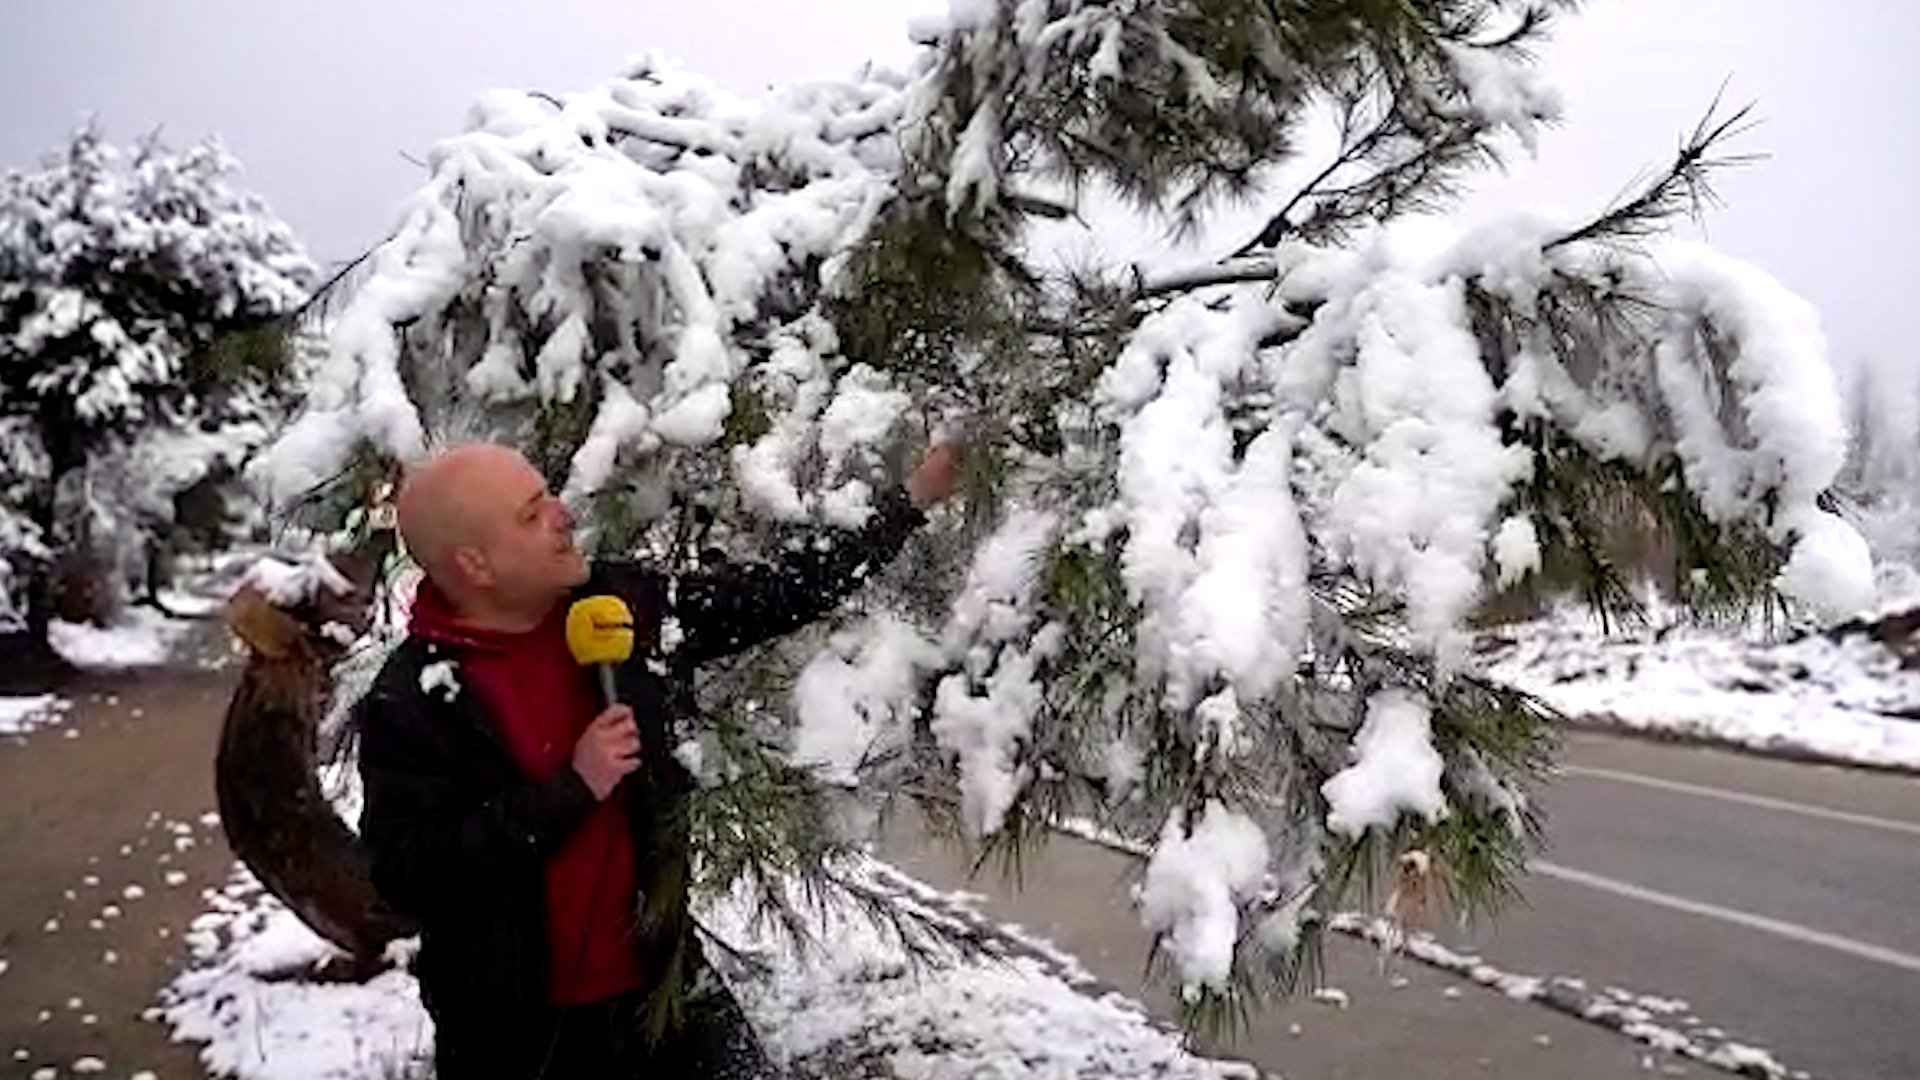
1281,224
1685,187
336,286
1533,23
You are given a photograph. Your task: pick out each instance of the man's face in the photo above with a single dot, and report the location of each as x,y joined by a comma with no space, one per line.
527,538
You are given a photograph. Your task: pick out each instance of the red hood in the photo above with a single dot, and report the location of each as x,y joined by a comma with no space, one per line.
434,619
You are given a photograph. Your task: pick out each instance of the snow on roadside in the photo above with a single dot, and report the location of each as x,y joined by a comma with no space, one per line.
1844,700
20,715
1028,1012
1665,1024
143,638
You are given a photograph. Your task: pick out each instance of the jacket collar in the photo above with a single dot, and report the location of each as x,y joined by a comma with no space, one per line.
433,619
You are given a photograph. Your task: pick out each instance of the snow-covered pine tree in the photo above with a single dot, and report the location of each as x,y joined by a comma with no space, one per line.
1228,528
136,354
1880,487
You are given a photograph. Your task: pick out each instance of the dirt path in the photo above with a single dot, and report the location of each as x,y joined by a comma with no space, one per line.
107,846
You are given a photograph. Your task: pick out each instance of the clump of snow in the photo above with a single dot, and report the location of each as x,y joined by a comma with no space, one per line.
143,638
984,712
1396,769
20,715
854,700
441,677
983,726
290,584
1830,567
1516,550
996,602
1796,436
1414,511
863,411
1214,550
1331,995
1194,885
1506,90
621,422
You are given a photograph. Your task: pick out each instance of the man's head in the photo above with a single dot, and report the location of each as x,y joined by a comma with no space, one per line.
482,524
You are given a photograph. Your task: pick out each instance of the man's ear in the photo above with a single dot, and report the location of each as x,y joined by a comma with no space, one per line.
474,566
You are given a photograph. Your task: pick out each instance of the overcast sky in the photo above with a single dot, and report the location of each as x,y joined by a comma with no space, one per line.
322,101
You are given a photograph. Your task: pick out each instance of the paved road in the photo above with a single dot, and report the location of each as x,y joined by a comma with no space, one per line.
1405,1020
1781,901
104,856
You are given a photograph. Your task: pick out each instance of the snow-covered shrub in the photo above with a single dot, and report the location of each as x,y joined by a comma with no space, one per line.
134,286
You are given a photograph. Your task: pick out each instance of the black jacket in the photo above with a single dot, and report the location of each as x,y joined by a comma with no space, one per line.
459,836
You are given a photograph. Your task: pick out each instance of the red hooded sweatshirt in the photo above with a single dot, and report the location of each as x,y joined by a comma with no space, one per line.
540,701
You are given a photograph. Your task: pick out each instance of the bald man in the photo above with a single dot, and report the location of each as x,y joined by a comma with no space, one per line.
527,825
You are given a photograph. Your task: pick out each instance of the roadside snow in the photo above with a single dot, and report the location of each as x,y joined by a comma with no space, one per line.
19,715
143,638
1842,699
1025,1014
1654,1021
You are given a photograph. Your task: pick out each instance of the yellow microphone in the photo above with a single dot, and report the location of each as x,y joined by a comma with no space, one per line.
600,632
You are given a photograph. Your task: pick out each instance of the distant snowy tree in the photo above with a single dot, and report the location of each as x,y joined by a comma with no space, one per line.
136,288
1880,486
1228,527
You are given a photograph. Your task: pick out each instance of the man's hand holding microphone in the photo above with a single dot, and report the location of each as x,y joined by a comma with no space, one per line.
600,633
608,750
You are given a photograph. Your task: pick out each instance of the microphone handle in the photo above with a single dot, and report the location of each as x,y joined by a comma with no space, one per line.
606,684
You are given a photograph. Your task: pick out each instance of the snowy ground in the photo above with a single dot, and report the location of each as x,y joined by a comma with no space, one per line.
1845,700
142,638
861,1010
20,715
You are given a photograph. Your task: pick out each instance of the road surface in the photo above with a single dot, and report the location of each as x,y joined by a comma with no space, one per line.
1780,901
104,855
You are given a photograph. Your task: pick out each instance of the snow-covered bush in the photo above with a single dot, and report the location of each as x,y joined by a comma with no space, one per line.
133,290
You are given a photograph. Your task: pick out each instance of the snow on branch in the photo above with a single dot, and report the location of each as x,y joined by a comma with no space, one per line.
1228,530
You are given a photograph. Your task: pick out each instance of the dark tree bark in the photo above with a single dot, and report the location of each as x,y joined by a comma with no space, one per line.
277,819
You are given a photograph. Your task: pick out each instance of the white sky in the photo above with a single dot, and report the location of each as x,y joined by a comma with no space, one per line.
321,101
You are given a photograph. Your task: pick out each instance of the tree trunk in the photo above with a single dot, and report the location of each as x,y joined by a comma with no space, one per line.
277,819
86,588
27,659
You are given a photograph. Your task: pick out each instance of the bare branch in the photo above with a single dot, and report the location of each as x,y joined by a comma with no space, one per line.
1037,206
1201,277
